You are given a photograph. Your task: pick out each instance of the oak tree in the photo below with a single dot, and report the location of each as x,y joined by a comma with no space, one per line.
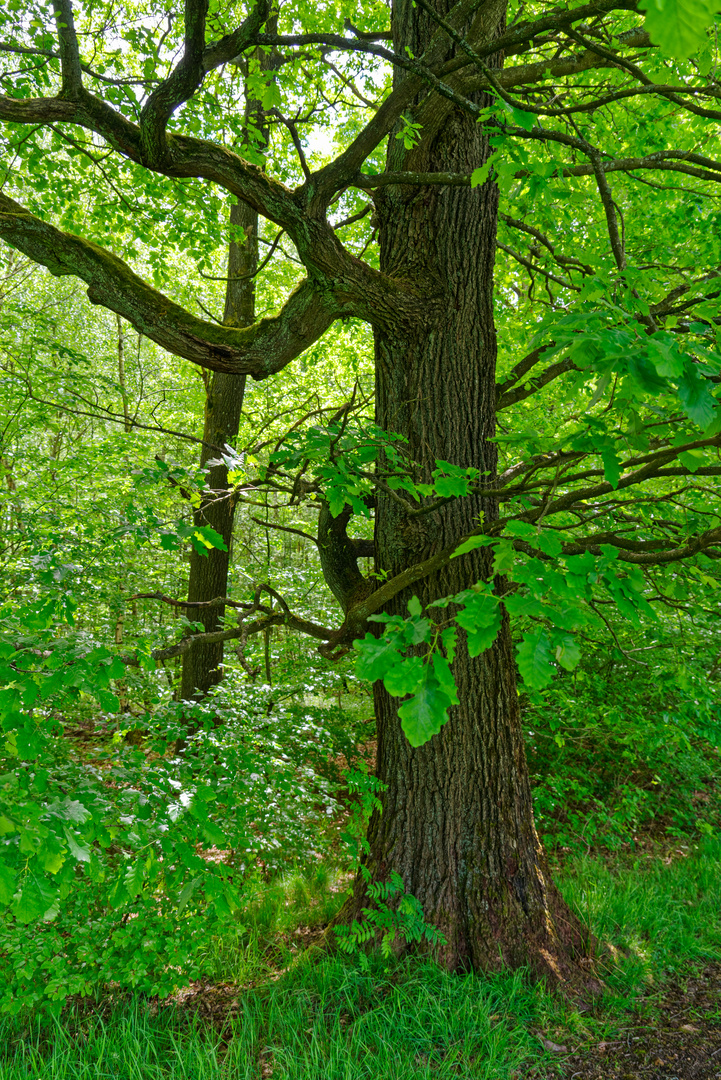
541,176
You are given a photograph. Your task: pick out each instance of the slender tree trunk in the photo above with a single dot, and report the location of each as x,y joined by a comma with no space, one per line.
208,580
202,665
457,819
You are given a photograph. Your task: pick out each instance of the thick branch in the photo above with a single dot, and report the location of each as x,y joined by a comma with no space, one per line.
480,45
339,557
269,618
336,175
230,46
188,74
649,554
610,210
664,160
259,350
181,84
529,74
187,157
72,78
646,553
522,368
526,31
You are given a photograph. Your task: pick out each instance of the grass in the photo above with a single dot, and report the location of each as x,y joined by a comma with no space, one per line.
659,914
329,1019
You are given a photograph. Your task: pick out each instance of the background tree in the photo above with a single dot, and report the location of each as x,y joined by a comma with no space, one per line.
457,821
208,577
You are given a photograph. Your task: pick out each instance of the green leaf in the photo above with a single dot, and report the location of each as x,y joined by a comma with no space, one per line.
405,677
481,619
667,358
70,810
524,119
447,487
480,175
207,538
695,396
336,502
377,656
568,652
611,468
109,703
187,892
38,900
444,675
134,878
549,543
425,713
416,631
517,605
7,884
646,375
117,668
503,558
78,850
51,854
599,391
449,640
29,744
214,834
472,543
414,606
270,97
535,660
679,26
692,460
522,529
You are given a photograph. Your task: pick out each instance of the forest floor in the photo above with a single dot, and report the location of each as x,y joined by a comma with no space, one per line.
673,1033
274,1007
657,1023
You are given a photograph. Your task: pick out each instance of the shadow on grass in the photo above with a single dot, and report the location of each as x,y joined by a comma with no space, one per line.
297,1015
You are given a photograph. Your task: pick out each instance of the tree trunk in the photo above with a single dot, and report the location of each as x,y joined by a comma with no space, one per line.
457,819
202,665
208,580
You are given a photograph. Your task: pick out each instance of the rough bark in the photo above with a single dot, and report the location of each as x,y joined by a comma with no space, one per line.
457,818
202,664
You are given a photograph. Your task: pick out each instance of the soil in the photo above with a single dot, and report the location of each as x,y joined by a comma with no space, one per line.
676,1035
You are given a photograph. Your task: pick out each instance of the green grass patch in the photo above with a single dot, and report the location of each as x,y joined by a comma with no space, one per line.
325,1018
659,914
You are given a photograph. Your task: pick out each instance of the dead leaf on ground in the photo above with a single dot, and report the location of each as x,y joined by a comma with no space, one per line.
552,1046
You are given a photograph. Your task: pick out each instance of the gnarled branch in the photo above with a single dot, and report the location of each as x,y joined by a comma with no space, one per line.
258,350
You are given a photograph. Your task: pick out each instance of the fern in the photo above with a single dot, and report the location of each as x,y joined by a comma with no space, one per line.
405,918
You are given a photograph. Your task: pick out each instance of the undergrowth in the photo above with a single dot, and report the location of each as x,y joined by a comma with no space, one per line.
616,753
304,1015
